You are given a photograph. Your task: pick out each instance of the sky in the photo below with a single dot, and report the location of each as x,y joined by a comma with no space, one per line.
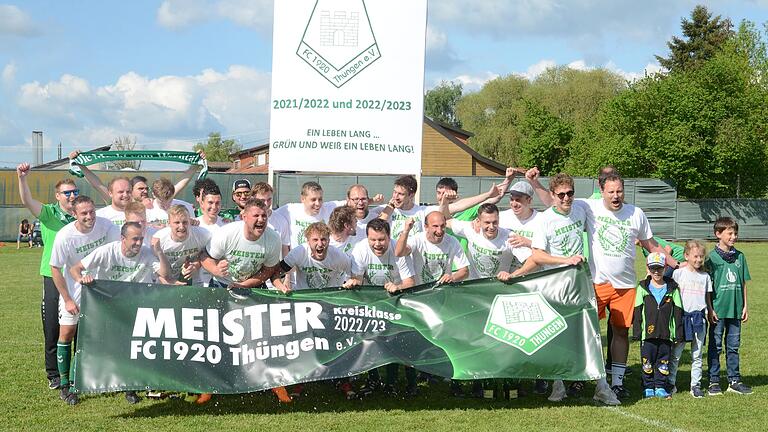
170,72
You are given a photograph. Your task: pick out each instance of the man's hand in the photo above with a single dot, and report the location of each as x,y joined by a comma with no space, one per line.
377,199
448,196
194,222
23,169
86,279
391,288
156,249
222,268
284,289
71,307
576,259
73,154
408,224
744,314
518,241
350,283
504,276
494,192
532,174
712,317
445,279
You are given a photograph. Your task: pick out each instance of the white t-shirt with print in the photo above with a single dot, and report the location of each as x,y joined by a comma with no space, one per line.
399,216
108,263
378,270
526,228
486,257
245,257
158,217
694,287
612,242
561,235
297,220
432,261
71,246
362,224
314,274
178,252
117,217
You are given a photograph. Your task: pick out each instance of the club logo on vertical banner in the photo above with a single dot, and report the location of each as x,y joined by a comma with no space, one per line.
339,42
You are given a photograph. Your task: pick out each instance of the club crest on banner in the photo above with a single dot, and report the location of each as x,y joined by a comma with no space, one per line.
524,321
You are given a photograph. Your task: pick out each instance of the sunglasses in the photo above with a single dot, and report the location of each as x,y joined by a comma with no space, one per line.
68,193
562,195
242,194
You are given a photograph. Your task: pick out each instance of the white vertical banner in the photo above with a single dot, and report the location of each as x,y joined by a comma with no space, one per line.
348,86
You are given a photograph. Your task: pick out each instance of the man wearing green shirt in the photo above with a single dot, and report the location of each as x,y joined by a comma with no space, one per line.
52,218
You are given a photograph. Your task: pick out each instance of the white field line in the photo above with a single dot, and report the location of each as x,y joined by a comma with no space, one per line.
651,422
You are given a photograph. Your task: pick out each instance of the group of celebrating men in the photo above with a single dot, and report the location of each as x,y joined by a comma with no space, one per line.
317,244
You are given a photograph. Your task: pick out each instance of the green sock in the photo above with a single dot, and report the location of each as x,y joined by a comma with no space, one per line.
63,353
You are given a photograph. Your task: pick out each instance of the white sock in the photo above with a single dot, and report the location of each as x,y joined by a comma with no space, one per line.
617,373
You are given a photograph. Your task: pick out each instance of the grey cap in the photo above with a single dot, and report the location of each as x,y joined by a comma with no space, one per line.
521,187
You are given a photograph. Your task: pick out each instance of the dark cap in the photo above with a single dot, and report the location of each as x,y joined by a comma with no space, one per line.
242,183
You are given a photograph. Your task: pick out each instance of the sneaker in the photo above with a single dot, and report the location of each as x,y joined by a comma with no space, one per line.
369,388
662,394
714,389
575,389
540,387
456,390
296,390
282,395
154,394
72,399
132,397
411,391
346,390
739,387
697,392
620,392
558,391
605,395
54,383
64,392
649,393
203,398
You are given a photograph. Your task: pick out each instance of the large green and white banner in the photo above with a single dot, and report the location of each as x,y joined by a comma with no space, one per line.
139,336
348,86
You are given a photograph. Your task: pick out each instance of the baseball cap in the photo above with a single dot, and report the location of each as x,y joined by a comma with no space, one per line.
656,259
242,183
521,187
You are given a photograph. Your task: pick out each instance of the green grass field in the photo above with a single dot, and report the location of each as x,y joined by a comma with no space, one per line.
29,405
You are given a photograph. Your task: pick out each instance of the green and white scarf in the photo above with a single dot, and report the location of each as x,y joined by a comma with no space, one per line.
90,158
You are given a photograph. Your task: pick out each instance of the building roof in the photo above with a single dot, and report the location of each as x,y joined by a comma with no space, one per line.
443,130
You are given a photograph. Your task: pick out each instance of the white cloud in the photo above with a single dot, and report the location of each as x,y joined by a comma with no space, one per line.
470,82
440,55
537,68
179,14
176,14
234,101
16,22
8,76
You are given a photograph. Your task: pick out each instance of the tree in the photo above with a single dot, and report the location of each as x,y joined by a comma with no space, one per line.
218,150
702,128
121,144
440,103
704,36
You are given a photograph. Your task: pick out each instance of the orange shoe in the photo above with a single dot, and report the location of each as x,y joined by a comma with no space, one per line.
282,395
203,398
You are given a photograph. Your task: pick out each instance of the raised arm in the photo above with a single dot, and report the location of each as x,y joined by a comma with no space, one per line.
34,206
92,179
188,174
532,175
401,247
465,203
651,245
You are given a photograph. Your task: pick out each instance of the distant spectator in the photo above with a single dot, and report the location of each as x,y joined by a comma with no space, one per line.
25,232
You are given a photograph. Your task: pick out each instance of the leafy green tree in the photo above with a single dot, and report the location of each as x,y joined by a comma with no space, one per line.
704,36
702,128
440,103
218,150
